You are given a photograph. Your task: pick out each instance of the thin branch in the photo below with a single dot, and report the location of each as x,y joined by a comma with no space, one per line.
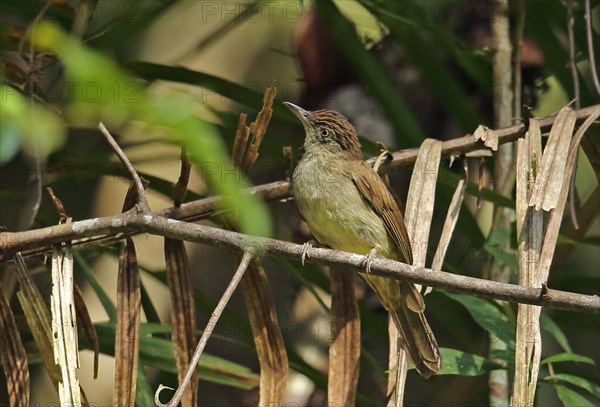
572,61
575,76
158,225
142,202
503,165
210,326
203,208
590,44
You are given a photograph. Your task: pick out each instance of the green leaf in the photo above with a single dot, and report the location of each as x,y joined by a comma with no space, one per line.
372,75
571,398
449,178
213,84
547,30
488,316
593,388
115,169
568,357
10,140
591,240
302,279
144,395
548,325
127,21
246,14
158,353
446,88
474,62
147,305
504,354
105,300
456,362
496,247
208,152
169,110
27,124
100,90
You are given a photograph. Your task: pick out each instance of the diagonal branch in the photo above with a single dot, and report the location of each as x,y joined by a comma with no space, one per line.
142,202
210,326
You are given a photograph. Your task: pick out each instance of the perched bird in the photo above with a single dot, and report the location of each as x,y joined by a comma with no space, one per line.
348,207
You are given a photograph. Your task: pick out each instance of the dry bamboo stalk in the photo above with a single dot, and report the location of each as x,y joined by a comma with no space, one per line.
549,183
64,326
529,231
418,216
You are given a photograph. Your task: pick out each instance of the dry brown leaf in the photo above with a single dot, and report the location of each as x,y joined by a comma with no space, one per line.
127,337
39,320
420,201
268,340
535,256
480,181
396,386
183,314
258,129
555,218
131,195
488,136
180,188
87,326
418,215
529,231
240,141
344,350
60,208
248,139
549,180
478,154
64,326
14,357
449,225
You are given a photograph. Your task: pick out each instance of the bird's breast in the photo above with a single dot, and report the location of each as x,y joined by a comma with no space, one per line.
334,209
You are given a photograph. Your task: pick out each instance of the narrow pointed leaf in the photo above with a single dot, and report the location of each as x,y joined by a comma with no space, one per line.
528,345
568,357
64,325
183,314
84,321
344,350
127,328
13,356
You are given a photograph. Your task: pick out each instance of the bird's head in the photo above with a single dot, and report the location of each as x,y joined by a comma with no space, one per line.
328,129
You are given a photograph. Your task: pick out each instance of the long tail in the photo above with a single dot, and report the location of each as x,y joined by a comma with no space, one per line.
419,342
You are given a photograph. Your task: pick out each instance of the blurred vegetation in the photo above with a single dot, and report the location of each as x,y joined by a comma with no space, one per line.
163,73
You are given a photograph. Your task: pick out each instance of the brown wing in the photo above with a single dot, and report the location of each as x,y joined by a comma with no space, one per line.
376,193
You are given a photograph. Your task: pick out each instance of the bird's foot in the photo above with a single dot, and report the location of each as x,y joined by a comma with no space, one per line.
368,259
305,248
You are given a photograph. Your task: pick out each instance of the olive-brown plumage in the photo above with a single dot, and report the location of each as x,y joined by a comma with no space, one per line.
348,207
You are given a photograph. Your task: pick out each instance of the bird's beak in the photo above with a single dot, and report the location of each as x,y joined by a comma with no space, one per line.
298,112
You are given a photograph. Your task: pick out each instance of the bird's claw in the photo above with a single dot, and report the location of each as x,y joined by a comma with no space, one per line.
368,259
305,248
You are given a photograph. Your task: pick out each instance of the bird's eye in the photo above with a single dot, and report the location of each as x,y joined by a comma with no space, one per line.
324,132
